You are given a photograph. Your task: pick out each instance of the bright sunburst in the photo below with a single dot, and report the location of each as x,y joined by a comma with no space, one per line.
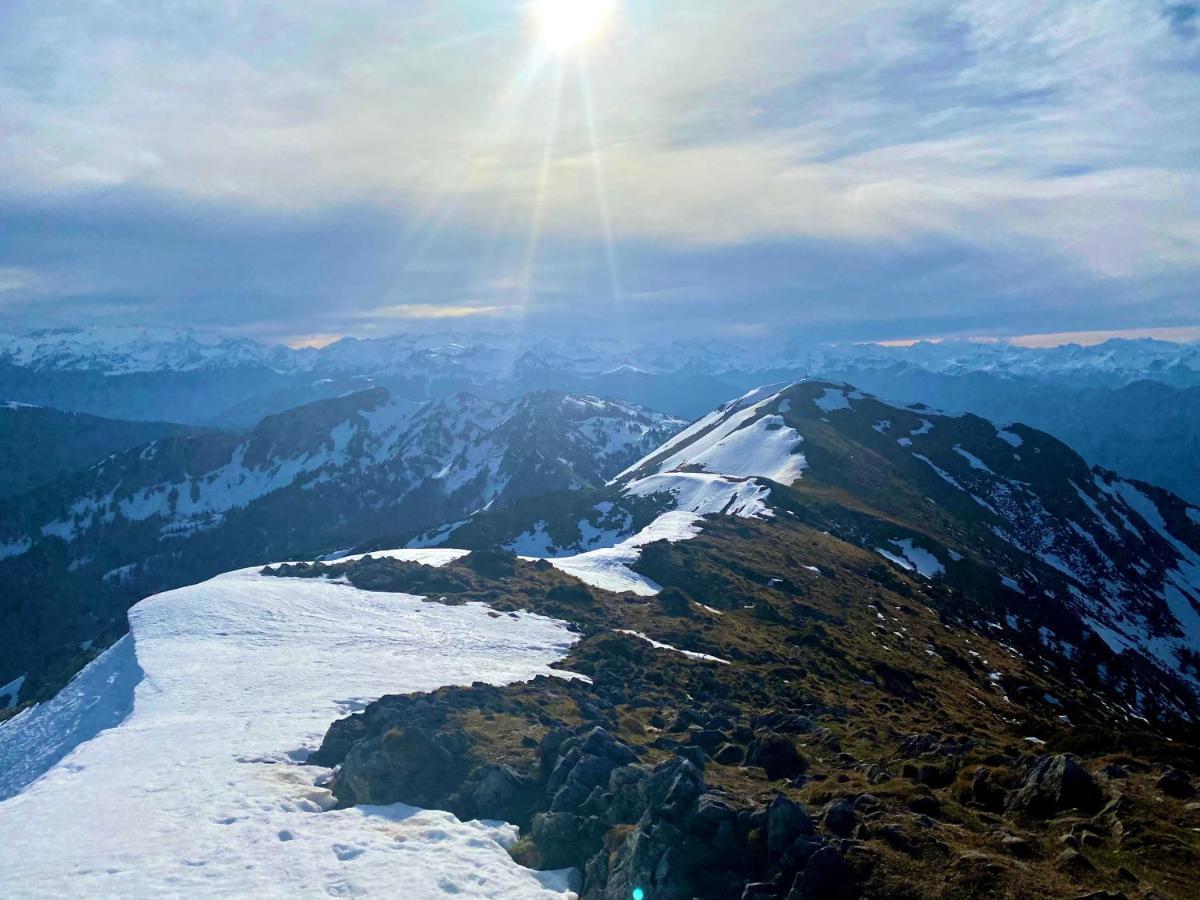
565,25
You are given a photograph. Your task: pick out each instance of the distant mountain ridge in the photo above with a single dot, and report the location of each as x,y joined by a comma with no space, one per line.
38,444
75,554
129,350
1130,405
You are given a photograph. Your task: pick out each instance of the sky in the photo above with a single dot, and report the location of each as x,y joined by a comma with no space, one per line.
864,170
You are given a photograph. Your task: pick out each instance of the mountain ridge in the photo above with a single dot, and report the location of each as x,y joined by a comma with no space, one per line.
952,497
323,477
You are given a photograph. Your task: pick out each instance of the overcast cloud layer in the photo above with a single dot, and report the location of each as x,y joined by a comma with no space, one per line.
864,169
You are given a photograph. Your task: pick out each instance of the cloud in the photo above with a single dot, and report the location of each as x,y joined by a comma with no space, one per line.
17,280
432,311
311,341
1045,147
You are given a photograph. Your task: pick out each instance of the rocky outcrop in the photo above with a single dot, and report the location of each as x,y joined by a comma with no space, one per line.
587,800
776,755
1054,785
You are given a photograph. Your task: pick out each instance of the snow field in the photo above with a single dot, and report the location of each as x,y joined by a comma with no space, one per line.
197,787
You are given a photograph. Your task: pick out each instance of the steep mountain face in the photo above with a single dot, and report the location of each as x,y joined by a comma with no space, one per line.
1084,565
77,553
38,444
1145,428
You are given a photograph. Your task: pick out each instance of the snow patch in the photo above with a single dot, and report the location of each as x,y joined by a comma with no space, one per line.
972,460
832,400
10,694
15,548
431,556
609,568
691,654
705,494
921,559
765,447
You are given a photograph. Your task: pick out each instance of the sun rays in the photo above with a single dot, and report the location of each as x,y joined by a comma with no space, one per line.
531,171
566,25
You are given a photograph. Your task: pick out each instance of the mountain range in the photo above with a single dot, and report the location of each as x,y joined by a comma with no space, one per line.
78,551
819,645
1129,405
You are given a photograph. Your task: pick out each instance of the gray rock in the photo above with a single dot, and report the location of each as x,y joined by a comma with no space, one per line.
777,756
1055,784
1176,783
499,792
826,877
1073,863
839,817
786,821
729,755
563,839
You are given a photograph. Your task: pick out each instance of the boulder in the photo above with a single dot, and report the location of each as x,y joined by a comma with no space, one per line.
707,738
671,789
1073,863
838,817
420,766
564,839
776,755
985,793
786,821
1055,784
499,792
1177,783
660,860
584,762
626,801
825,877
729,755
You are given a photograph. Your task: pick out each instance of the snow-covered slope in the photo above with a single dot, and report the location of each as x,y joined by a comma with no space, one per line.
208,708
717,466
369,444
366,467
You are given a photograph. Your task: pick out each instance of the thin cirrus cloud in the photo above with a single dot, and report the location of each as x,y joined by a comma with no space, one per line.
984,164
435,311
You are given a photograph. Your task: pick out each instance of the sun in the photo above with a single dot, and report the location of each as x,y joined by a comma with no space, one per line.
565,25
